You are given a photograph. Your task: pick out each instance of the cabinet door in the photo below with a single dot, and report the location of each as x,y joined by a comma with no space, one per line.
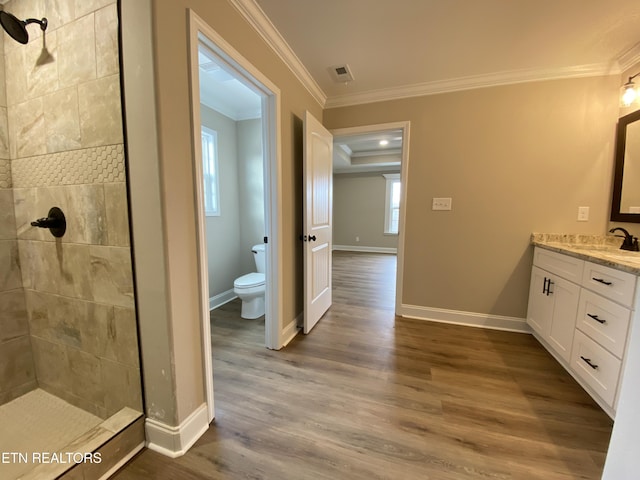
540,307
563,321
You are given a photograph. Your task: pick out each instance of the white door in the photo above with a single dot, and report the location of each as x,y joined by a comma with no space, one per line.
317,224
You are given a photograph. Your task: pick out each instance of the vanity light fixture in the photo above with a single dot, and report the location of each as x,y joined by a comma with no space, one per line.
629,92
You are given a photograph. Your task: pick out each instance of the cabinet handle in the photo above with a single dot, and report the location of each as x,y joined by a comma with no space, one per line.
544,285
588,362
595,317
601,280
549,292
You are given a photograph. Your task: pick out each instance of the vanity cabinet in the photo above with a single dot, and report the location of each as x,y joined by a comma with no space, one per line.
581,312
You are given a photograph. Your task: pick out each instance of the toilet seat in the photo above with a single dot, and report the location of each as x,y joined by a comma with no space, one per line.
249,280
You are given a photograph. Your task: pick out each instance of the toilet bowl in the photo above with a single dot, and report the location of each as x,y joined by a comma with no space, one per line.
250,288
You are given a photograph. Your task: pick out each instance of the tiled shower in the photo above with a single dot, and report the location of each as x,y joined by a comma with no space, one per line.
67,311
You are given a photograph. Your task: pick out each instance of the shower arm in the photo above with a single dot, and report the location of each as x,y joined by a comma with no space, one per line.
42,23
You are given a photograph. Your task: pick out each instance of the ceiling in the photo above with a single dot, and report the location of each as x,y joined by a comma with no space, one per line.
399,48
221,91
368,152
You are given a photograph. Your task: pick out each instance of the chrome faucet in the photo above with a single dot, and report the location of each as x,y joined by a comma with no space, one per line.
630,242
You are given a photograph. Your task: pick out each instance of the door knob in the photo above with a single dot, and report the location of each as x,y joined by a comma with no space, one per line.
312,238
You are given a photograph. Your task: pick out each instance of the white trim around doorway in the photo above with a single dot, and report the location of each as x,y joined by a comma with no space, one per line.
201,33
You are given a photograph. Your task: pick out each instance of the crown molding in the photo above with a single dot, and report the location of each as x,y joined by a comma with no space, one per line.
469,83
256,17
630,58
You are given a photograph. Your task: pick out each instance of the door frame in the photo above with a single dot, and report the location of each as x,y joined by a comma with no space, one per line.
201,32
404,179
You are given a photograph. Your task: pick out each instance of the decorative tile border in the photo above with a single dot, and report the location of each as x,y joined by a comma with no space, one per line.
103,164
5,174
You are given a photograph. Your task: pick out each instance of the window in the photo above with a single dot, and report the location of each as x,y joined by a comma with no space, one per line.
210,172
392,203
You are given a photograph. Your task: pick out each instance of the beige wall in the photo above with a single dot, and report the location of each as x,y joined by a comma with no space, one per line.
358,210
250,189
515,159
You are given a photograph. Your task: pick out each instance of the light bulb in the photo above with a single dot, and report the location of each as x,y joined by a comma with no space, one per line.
629,94
384,142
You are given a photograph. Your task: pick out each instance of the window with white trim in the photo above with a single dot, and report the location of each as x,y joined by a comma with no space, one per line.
210,172
392,203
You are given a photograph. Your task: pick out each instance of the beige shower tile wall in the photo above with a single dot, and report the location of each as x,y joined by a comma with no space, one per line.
67,96
66,150
3,84
5,171
17,370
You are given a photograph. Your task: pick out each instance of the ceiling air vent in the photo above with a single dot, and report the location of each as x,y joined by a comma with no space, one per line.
341,73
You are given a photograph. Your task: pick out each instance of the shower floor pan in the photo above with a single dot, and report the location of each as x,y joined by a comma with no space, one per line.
42,436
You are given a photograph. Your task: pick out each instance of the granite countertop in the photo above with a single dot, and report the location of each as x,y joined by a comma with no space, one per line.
601,249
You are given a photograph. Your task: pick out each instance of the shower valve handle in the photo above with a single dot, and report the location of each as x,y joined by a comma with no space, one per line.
46,222
55,222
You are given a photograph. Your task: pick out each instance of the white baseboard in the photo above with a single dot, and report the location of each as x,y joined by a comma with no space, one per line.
470,319
291,330
222,298
358,248
175,441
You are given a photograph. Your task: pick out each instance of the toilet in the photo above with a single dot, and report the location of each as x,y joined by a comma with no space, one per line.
250,287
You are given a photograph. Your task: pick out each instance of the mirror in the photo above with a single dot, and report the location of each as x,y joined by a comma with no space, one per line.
625,204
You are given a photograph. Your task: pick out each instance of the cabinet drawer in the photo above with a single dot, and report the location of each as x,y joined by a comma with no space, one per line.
562,265
604,321
602,374
611,283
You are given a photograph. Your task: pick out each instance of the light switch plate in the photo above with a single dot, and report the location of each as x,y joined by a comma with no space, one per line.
441,204
583,214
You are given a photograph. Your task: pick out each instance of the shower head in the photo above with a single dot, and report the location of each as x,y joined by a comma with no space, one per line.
17,29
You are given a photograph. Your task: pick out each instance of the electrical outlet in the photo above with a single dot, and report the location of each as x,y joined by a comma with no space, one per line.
441,204
583,214
357,239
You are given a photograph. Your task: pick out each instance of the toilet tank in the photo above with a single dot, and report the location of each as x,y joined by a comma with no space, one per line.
259,257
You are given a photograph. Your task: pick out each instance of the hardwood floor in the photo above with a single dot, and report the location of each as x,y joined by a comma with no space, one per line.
368,395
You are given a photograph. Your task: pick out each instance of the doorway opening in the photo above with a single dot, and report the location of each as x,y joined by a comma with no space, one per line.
369,191
238,198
